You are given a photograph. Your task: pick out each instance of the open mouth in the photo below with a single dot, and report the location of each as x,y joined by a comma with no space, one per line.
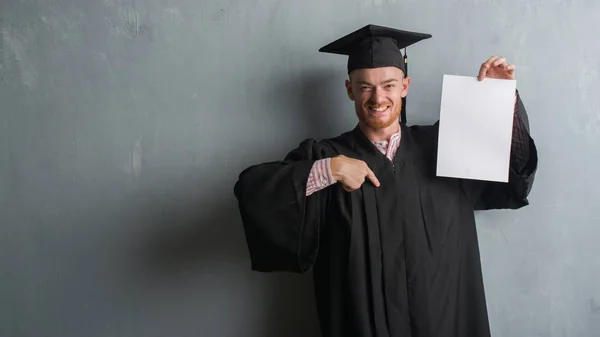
378,110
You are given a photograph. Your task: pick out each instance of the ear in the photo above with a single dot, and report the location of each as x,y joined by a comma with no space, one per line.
405,85
349,90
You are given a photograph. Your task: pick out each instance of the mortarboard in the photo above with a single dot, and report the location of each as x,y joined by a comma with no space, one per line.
374,47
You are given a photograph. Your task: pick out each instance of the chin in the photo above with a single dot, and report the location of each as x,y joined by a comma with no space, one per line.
377,122
380,124
378,119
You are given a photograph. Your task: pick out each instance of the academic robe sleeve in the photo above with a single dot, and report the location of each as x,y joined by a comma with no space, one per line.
523,166
281,223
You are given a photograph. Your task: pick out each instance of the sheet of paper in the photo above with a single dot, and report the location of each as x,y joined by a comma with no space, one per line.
476,120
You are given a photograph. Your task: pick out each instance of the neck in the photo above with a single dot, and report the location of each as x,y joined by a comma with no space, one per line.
376,135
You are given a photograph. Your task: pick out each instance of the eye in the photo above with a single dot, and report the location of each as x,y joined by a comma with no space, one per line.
389,86
365,87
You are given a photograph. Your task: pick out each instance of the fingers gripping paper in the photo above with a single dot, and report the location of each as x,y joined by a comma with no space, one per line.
476,120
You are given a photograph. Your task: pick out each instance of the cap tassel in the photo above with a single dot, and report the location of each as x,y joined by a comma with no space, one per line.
403,110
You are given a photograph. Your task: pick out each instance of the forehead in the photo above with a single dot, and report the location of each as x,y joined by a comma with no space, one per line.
376,75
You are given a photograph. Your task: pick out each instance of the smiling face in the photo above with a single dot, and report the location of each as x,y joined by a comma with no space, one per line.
377,94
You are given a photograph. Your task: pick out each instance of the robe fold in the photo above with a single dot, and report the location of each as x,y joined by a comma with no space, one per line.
398,260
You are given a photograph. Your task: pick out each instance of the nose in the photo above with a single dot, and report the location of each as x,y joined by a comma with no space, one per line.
378,96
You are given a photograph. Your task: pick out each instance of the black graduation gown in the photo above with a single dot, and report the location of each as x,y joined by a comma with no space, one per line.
399,260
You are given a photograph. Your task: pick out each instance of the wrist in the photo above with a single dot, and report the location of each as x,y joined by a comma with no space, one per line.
334,168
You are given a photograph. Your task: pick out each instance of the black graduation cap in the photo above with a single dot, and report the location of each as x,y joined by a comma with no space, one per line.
375,46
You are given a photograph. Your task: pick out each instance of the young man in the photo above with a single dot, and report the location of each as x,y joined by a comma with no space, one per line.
393,248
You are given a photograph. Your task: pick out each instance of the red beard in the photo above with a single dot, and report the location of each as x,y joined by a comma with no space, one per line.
379,122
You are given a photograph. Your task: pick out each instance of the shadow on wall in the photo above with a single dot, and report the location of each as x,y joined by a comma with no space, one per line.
196,253
191,238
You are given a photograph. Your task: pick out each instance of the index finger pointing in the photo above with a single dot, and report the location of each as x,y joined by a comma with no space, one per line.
373,178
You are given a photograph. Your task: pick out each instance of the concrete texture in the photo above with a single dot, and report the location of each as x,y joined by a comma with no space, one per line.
124,124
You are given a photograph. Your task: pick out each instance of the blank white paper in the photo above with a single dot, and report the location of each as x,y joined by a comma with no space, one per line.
475,131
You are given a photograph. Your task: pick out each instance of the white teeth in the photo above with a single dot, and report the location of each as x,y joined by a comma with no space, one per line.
379,109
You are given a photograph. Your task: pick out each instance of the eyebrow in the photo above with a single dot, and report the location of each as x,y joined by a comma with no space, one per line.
384,82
